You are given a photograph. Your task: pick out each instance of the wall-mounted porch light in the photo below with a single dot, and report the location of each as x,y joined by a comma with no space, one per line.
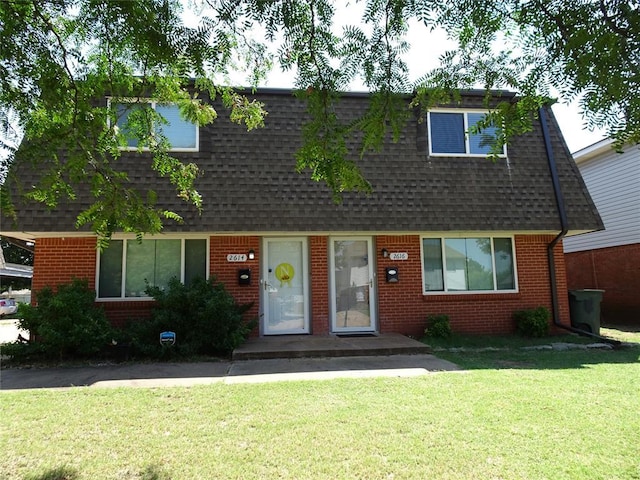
252,254
385,253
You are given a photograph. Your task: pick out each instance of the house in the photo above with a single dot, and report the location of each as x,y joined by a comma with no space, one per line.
10,270
610,259
445,231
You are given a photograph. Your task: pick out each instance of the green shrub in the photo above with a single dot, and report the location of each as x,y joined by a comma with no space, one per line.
438,326
65,324
20,352
204,315
533,322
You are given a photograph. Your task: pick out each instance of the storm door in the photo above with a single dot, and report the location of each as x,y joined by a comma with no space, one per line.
352,281
285,290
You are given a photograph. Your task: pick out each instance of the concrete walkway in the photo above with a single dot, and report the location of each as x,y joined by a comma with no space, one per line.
228,372
305,346
260,359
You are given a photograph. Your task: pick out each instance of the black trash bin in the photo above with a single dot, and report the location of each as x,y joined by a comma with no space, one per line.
584,306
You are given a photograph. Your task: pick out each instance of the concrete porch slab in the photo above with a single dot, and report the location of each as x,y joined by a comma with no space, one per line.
307,346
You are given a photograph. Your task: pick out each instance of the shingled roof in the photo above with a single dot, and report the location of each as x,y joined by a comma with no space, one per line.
249,183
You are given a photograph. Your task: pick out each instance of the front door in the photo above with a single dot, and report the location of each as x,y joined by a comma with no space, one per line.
285,290
352,280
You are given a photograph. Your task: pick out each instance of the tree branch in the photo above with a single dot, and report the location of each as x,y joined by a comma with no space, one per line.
609,21
65,54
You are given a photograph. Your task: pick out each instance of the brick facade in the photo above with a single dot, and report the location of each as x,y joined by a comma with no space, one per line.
227,272
320,319
60,260
616,270
401,306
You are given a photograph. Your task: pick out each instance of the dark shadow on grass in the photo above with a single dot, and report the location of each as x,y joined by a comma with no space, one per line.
540,359
155,472
152,472
57,473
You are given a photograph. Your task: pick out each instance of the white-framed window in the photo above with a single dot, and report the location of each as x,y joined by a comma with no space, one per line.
469,264
181,134
127,266
449,134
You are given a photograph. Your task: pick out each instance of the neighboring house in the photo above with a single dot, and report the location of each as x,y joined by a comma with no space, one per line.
445,231
13,270
9,274
610,259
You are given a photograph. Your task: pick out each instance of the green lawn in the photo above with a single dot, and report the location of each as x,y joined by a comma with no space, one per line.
513,415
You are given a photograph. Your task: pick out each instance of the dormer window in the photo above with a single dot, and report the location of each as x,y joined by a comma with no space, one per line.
180,133
449,134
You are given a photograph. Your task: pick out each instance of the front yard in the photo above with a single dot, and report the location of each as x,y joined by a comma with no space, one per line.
514,414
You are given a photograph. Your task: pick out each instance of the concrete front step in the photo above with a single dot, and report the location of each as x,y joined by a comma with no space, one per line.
306,346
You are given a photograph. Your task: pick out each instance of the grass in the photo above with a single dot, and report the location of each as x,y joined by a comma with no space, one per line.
623,334
509,351
515,414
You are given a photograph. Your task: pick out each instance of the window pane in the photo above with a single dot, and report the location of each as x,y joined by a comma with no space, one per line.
140,267
480,143
447,132
479,265
195,260
432,251
151,261
167,262
110,279
123,110
179,132
456,258
504,263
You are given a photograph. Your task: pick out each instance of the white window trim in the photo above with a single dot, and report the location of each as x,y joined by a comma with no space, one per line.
465,113
125,240
153,104
495,291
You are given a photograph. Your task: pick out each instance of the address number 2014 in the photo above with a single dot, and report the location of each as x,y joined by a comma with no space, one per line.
399,256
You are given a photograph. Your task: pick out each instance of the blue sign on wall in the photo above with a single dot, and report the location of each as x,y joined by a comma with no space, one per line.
167,338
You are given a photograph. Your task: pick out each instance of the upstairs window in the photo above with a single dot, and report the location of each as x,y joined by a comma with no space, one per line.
474,264
180,133
449,134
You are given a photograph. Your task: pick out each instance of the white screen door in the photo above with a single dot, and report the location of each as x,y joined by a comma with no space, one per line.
285,287
352,292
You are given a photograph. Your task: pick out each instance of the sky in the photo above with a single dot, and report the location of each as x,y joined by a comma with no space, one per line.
426,48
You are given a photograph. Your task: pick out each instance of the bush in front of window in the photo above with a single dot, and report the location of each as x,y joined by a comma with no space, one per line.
438,326
65,324
532,322
205,317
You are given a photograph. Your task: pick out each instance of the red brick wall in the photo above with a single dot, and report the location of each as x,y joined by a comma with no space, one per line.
122,312
227,272
403,308
400,305
616,270
60,260
320,320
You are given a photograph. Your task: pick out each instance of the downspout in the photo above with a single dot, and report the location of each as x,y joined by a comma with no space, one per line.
564,225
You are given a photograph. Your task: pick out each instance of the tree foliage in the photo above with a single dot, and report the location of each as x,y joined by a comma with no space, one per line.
59,57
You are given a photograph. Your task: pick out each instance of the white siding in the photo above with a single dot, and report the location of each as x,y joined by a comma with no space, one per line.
613,181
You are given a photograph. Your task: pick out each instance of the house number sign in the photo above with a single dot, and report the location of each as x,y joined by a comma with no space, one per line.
237,257
399,256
